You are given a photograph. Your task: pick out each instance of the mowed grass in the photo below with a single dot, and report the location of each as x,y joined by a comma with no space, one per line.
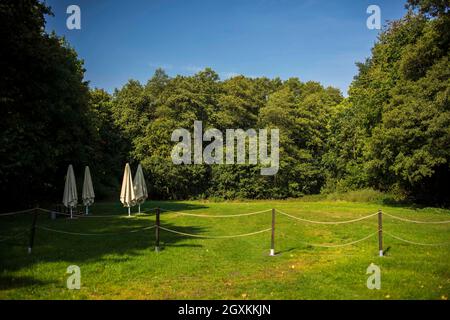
126,266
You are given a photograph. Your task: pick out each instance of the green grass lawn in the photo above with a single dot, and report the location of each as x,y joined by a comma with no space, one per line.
126,266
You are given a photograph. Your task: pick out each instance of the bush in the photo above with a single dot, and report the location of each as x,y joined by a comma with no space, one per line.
362,195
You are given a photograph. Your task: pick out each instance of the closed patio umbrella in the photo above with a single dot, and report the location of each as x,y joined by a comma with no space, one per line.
140,188
127,196
70,197
88,195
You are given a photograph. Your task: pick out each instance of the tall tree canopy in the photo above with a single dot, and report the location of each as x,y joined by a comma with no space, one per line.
49,117
44,103
391,133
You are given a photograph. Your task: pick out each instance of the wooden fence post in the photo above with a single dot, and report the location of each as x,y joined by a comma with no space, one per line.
33,230
380,232
157,230
272,242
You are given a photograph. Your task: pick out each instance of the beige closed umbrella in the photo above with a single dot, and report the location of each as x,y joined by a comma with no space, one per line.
88,194
140,188
70,197
127,196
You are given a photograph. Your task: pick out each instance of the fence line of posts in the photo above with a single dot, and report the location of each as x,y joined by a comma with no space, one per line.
33,230
158,227
380,232
272,239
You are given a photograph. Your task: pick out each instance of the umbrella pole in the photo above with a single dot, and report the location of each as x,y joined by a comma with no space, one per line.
71,217
87,210
139,208
129,211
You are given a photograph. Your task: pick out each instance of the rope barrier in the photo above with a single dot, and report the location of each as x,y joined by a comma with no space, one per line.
340,245
15,212
147,210
415,221
14,236
327,222
94,216
215,216
225,216
214,237
76,215
143,213
92,234
416,243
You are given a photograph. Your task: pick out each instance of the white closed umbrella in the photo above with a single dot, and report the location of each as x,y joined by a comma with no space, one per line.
127,196
70,197
140,188
88,194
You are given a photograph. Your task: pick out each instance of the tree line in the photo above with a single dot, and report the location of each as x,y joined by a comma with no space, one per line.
391,133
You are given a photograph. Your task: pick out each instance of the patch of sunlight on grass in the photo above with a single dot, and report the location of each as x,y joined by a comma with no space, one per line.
126,266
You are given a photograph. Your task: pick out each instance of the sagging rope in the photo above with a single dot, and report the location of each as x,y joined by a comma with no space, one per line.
416,243
415,221
53,211
214,237
74,214
93,234
96,216
265,230
16,212
340,245
14,236
151,227
229,236
327,222
215,216
142,213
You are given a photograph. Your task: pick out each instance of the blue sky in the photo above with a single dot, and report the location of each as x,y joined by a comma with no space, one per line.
312,39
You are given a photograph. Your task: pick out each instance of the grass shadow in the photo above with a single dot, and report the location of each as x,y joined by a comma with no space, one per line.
15,282
117,242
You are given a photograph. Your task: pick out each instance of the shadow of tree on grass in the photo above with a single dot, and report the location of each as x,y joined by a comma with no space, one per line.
117,240
8,282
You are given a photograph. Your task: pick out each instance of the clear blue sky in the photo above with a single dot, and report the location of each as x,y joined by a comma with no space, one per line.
311,39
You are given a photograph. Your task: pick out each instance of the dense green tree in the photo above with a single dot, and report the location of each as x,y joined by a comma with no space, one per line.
44,104
430,7
108,148
301,111
238,104
392,133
